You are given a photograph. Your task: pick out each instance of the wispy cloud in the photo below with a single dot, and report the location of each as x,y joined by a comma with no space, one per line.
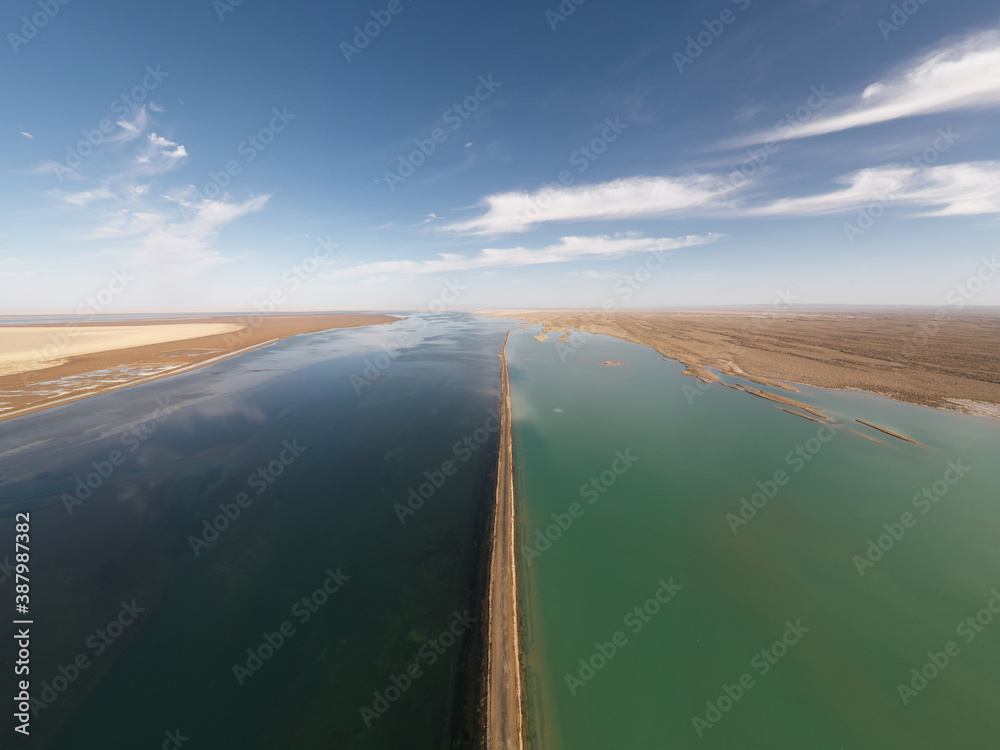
159,156
132,128
29,136
135,220
566,250
957,75
187,245
964,189
626,198
83,197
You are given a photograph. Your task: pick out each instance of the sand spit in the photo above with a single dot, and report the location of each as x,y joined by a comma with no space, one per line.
815,411
54,364
613,362
697,371
876,350
804,416
27,348
504,693
887,431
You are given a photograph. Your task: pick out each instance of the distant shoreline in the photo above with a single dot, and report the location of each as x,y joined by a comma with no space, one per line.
79,359
909,355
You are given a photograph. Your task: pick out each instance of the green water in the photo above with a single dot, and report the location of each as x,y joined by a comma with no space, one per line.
790,572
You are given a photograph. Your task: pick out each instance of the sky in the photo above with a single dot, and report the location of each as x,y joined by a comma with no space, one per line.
239,155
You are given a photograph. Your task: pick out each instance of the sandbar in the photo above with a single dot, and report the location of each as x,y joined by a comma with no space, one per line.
51,364
946,359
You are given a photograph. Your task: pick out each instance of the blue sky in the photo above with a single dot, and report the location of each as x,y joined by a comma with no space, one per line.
213,155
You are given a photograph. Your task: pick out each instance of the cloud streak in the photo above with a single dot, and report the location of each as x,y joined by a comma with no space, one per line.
567,249
965,189
627,198
960,75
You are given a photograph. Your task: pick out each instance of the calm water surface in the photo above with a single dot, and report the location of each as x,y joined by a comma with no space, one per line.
700,627
310,474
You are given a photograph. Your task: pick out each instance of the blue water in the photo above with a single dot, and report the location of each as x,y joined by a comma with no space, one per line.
312,475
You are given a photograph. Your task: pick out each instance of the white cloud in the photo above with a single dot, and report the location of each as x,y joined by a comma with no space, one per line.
566,250
133,128
186,245
626,198
964,189
124,222
84,197
959,75
159,156
29,136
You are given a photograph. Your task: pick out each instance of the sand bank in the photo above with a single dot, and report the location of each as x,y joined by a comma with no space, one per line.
886,352
54,364
27,348
504,693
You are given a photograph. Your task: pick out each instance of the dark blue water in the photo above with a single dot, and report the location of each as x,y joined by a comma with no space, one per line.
249,572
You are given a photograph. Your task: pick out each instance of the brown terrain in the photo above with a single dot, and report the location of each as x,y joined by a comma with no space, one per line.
908,355
62,379
504,696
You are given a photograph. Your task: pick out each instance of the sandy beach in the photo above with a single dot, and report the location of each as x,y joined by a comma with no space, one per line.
44,365
909,355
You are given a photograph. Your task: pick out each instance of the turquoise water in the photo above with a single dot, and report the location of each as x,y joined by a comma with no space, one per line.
321,522
778,628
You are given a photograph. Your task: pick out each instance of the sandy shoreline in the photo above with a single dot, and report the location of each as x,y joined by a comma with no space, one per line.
504,693
908,354
50,364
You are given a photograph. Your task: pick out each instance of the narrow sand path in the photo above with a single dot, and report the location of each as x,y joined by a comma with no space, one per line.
504,724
